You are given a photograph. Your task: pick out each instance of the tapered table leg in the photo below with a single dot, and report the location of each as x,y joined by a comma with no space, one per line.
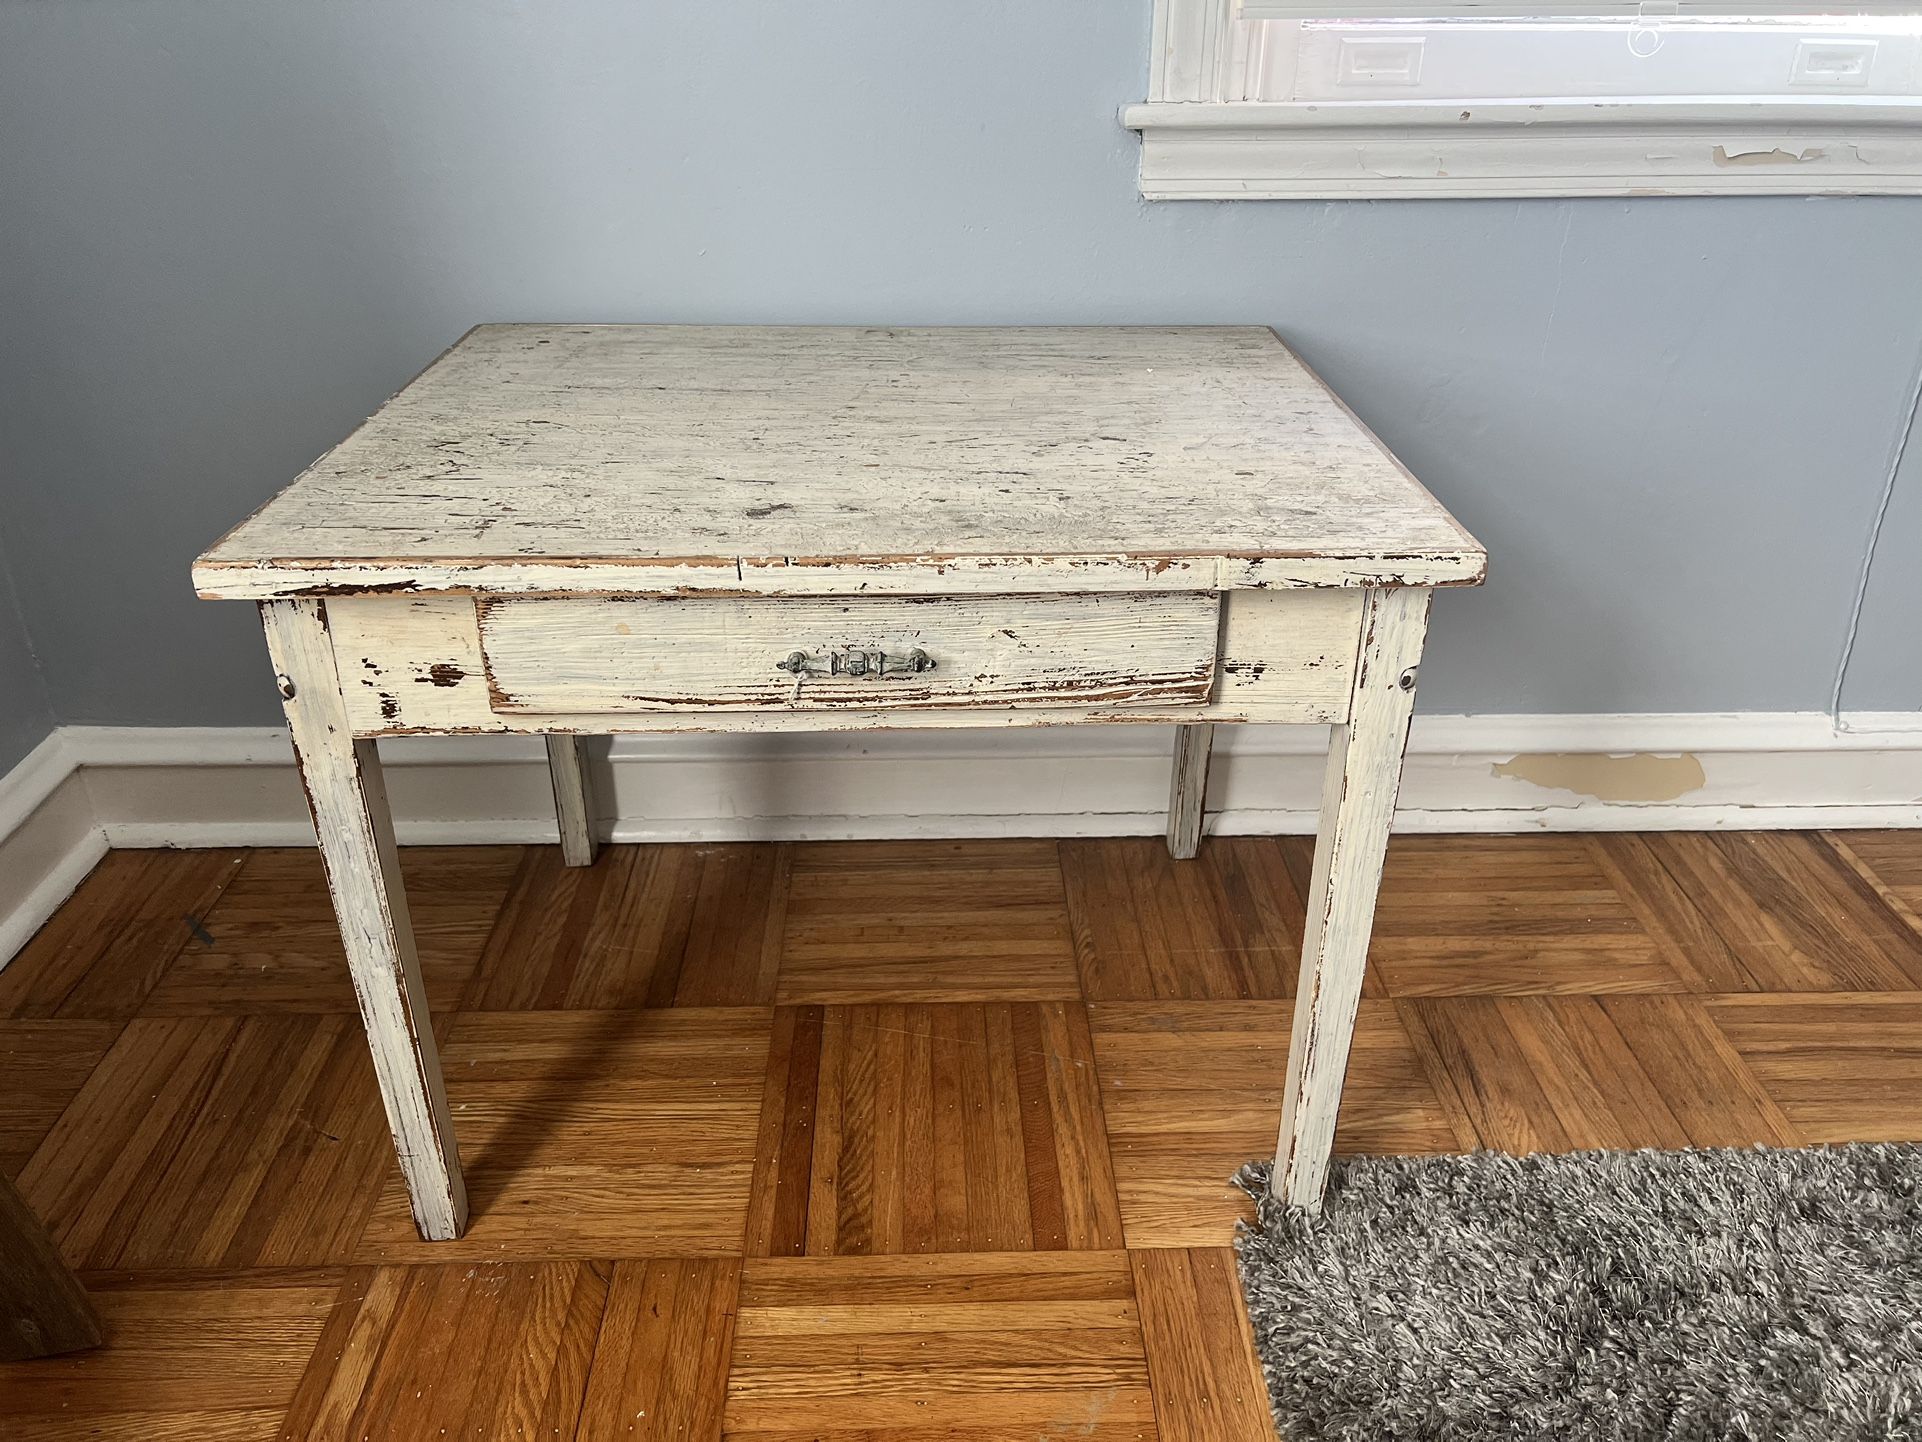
566,768
1188,790
1357,804
349,803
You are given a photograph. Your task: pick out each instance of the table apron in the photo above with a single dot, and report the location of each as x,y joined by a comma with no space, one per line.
418,664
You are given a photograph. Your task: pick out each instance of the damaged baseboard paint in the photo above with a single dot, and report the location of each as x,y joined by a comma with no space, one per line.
1637,779
87,788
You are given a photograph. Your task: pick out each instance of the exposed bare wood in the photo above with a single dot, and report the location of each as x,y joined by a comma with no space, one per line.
671,458
567,530
574,816
1358,802
1188,790
727,654
349,804
416,664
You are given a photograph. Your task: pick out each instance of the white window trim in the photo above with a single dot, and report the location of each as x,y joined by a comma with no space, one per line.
1201,141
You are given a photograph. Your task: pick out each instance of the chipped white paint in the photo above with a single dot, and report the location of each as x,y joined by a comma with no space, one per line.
725,653
567,769
1204,136
1188,790
1228,149
632,459
415,664
349,804
580,529
1540,9
1357,804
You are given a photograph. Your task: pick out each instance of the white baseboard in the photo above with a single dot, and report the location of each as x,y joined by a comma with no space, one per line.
87,788
49,839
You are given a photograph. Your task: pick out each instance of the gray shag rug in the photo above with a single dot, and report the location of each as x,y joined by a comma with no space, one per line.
1695,1296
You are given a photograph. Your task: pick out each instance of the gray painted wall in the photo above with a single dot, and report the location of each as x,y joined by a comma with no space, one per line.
25,713
232,228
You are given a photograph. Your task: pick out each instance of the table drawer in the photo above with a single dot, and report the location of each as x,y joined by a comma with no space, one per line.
621,654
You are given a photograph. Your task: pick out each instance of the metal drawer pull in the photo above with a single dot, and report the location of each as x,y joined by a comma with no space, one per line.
878,664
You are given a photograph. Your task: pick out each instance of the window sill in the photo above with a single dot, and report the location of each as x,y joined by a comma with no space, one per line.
1508,148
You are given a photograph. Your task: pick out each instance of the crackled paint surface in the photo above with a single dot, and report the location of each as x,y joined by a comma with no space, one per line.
753,458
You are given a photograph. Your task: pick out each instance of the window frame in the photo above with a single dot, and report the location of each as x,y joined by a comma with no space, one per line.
1202,137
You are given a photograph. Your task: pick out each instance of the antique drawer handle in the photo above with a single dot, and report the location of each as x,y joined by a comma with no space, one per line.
878,664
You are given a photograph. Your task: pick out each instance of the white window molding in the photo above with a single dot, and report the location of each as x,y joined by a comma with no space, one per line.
1258,109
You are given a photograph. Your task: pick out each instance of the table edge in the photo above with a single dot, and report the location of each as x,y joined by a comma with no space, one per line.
299,578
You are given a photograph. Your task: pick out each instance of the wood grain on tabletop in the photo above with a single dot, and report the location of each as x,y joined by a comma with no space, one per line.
557,456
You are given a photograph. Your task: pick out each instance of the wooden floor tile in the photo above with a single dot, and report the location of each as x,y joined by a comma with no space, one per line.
1201,1350
1843,1068
192,1357
216,1142
1793,911
1224,926
595,1134
271,942
1891,861
1465,915
837,1058
912,1128
660,1364
908,1349
1688,941
101,952
43,1065
926,921
643,926
493,1350
1568,1073
1192,1090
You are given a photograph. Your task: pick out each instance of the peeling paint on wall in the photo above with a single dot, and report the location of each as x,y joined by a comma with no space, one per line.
1640,777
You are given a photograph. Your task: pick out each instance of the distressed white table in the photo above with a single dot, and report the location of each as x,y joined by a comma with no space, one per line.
573,530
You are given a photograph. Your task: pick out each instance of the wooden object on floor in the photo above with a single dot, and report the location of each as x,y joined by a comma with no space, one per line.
801,529
43,1308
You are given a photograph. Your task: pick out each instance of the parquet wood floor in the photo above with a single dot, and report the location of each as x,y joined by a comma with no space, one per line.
869,1142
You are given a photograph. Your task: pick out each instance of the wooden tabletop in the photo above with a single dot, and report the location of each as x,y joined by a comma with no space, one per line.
570,459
